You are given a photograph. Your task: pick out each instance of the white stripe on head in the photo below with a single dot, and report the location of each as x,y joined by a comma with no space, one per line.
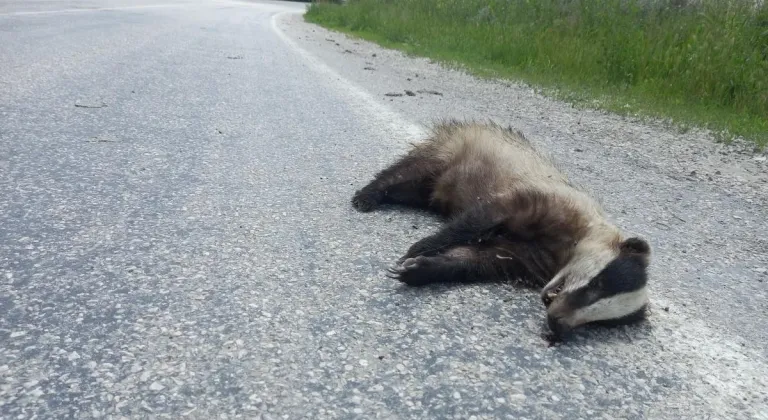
585,265
611,307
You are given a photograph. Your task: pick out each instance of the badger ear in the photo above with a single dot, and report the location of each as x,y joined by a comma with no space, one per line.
635,246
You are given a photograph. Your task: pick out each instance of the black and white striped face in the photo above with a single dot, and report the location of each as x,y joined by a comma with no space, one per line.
599,286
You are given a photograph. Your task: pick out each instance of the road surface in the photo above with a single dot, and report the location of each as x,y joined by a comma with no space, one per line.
176,238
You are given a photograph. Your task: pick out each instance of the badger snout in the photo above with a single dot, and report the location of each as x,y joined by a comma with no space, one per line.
557,326
561,318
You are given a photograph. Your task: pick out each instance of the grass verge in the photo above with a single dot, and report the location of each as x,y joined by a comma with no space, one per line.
695,63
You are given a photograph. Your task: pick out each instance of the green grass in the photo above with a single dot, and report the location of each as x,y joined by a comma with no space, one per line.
701,64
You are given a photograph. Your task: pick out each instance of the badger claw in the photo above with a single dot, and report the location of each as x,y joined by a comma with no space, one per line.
406,266
411,263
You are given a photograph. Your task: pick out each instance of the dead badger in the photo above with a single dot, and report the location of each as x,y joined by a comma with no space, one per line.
513,215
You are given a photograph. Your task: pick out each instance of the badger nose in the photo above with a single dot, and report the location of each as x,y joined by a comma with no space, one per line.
557,327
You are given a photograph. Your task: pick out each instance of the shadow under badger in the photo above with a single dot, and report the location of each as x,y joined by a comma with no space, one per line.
513,216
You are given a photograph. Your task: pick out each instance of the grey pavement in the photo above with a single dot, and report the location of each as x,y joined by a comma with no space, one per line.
176,239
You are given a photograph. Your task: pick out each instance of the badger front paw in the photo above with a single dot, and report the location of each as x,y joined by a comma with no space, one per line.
413,271
423,248
367,200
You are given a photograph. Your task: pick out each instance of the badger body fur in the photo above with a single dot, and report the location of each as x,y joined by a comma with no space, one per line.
512,215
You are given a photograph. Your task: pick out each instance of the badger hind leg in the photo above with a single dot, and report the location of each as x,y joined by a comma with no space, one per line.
409,181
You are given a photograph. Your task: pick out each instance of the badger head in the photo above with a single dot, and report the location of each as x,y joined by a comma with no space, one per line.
600,284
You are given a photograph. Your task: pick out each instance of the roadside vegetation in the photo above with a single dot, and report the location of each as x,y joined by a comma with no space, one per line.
696,63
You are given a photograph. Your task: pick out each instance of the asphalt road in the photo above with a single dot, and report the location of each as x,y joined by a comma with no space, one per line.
176,239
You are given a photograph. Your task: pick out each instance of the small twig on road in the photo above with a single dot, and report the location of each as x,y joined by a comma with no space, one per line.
87,105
